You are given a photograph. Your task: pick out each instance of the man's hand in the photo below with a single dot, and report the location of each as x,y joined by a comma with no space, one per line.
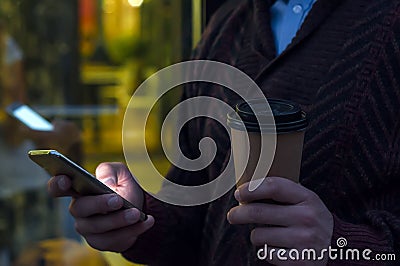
299,220
99,218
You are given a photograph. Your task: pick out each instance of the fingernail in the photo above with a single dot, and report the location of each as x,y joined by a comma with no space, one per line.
110,181
132,216
237,195
62,183
114,202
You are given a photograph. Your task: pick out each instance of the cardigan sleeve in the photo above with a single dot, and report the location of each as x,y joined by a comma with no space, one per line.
371,244
379,230
173,240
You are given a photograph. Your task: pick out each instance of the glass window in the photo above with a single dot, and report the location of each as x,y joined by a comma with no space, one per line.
77,63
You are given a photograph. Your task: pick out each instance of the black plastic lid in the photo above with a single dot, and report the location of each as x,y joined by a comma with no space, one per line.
288,116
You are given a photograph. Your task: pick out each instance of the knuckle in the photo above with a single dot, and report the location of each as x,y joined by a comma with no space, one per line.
308,217
255,213
272,186
95,227
100,204
303,236
73,209
51,187
108,223
308,237
255,237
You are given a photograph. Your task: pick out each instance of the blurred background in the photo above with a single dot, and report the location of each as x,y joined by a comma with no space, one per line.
77,63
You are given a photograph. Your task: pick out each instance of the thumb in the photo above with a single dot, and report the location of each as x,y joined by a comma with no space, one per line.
118,178
108,174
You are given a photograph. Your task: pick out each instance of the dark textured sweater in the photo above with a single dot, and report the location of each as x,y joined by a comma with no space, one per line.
343,67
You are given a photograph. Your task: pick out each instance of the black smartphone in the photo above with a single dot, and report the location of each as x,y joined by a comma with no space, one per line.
82,181
29,117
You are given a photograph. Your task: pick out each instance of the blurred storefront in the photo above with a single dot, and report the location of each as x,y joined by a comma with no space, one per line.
82,61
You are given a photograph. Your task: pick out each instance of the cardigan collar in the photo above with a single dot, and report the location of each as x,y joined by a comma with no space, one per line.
319,12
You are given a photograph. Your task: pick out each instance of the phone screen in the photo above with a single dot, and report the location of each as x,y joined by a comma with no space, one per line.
31,119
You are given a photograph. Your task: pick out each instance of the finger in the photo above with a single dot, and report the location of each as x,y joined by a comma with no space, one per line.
60,186
263,213
92,205
121,239
104,223
276,188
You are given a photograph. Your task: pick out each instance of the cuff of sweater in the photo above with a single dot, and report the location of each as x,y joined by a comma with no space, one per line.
353,236
148,245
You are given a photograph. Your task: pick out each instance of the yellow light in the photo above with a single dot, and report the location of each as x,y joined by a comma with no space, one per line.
135,3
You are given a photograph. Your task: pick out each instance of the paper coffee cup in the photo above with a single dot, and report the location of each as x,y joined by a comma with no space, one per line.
287,127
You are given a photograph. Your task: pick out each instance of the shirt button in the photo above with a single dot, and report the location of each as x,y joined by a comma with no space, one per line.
297,9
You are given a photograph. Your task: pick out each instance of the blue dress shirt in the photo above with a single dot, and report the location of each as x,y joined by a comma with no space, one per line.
286,18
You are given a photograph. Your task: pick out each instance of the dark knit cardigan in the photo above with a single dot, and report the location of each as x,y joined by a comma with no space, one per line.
343,67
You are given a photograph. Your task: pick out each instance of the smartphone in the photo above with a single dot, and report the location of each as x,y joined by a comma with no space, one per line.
29,117
82,181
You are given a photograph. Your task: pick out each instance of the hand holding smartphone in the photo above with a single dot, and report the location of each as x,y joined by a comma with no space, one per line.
82,181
